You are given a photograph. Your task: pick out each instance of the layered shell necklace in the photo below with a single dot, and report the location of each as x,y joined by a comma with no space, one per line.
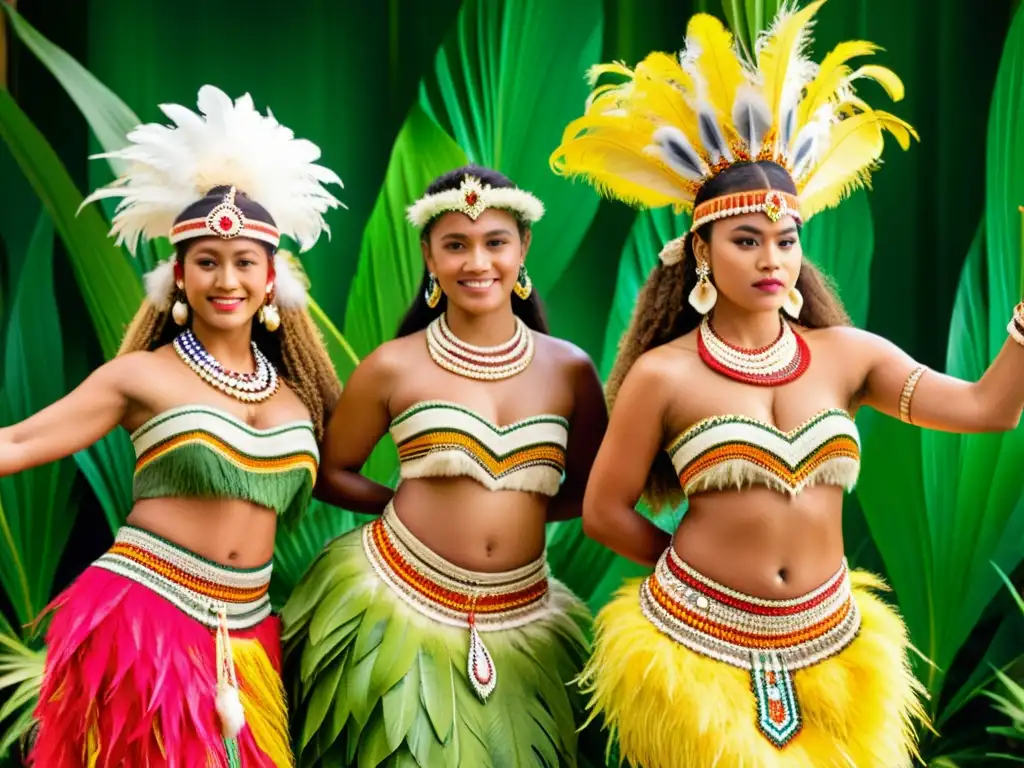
485,363
782,361
247,387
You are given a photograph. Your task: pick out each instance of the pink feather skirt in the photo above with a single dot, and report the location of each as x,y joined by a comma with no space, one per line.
141,651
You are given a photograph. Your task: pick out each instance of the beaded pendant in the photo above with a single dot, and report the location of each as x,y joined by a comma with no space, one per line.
482,674
778,714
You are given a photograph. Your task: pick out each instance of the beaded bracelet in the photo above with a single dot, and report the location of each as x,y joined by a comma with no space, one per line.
908,392
1016,326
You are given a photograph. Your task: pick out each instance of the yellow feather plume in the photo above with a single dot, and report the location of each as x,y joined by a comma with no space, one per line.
717,61
778,51
613,144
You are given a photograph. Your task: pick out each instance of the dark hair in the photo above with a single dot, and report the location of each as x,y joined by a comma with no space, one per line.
663,313
419,315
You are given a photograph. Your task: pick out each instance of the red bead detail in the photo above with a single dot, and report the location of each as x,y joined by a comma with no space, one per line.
226,223
471,198
749,607
776,712
797,367
770,678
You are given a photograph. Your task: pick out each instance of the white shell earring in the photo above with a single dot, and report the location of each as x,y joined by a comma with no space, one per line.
180,309
704,294
794,303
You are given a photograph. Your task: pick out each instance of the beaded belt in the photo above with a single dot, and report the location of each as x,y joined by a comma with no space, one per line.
198,587
769,638
443,592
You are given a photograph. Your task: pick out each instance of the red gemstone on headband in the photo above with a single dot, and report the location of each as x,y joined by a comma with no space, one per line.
471,198
226,223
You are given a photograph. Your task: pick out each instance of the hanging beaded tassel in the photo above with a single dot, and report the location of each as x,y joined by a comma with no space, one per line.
229,702
778,714
482,674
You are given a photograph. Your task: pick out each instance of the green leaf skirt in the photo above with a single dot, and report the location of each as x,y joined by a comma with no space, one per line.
378,660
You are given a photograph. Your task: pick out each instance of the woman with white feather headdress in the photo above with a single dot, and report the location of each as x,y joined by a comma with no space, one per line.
736,384
164,651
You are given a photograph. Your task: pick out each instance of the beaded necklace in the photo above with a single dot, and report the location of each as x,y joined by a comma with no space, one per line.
247,387
782,361
486,363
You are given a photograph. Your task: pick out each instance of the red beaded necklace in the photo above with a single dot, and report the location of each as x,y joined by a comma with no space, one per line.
782,361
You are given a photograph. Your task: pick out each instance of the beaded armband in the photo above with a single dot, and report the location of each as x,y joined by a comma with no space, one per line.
1016,326
908,392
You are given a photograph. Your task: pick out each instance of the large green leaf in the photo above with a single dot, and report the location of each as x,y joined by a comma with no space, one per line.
506,82
109,465
109,285
35,515
21,676
747,18
960,496
108,116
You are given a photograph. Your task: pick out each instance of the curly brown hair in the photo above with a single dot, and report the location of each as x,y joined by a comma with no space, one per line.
663,314
296,349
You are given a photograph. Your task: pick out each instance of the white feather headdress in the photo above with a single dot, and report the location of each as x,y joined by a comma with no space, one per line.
226,144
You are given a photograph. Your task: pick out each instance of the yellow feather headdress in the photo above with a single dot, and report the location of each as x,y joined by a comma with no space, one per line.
676,122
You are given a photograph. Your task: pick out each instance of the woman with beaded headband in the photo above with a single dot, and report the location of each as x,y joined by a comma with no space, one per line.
435,634
164,651
751,643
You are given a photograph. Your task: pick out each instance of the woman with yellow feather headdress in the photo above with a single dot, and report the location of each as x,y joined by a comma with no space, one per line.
751,644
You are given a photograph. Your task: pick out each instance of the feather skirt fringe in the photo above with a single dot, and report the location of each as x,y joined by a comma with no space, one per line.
669,707
130,680
379,684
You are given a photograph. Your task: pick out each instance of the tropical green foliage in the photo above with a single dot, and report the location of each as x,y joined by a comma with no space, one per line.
501,80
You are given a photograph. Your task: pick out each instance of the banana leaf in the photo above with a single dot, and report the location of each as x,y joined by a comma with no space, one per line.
491,91
35,515
960,496
21,675
747,18
108,283
108,466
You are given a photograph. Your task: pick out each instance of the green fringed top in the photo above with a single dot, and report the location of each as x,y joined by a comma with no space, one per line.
197,451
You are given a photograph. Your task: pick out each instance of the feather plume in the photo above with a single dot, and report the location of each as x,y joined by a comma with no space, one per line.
832,74
751,119
717,60
812,141
160,284
855,146
675,149
170,167
290,286
711,135
783,66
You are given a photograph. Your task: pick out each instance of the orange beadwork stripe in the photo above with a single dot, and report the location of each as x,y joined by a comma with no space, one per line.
457,601
417,447
741,200
249,463
841,446
221,592
739,637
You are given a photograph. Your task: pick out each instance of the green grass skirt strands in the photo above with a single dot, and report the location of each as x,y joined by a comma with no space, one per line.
376,683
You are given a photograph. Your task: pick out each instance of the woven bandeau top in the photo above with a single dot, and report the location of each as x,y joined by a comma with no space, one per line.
733,451
436,438
198,451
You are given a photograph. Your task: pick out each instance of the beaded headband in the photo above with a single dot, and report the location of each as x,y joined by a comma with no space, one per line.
226,221
472,198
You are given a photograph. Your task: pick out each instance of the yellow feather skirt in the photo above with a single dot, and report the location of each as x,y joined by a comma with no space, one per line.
670,707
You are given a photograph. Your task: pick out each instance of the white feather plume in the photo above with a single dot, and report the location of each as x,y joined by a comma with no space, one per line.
289,291
810,144
170,167
160,285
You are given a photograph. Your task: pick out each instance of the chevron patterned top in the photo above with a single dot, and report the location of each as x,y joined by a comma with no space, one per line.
732,451
436,438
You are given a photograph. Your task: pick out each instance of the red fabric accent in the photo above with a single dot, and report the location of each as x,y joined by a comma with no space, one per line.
121,656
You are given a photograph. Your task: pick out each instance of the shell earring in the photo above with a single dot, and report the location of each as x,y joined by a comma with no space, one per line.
268,314
794,303
704,294
180,309
524,285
